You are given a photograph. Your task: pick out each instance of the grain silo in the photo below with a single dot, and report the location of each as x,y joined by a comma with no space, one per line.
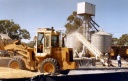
73,42
102,41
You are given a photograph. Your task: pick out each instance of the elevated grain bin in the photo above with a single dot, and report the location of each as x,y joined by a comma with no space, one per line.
85,8
102,41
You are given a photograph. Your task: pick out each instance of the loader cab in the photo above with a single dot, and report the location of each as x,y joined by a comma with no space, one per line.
45,40
40,41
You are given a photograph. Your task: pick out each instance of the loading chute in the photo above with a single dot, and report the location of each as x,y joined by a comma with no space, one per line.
89,46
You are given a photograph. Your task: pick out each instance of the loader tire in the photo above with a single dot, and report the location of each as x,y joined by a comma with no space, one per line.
16,63
49,65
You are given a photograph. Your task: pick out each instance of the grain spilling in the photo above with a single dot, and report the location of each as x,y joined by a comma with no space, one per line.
16,73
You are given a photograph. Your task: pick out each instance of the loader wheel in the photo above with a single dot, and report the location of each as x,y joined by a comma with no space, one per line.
49,65
16,63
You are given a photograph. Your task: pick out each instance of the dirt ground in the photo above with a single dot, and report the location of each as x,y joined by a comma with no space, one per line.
124,63
115,64
14,73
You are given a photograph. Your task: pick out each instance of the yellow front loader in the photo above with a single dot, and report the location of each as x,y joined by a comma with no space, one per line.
46,56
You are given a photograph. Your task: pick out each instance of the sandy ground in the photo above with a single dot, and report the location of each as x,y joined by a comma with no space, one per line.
14,73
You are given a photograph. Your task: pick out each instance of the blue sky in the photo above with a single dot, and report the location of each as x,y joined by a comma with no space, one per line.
111,15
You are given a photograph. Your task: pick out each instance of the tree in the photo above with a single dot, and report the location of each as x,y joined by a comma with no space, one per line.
123,40
115,41
74,22
31,44
13,30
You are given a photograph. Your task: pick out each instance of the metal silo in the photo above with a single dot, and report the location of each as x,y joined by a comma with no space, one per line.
102,41
72,42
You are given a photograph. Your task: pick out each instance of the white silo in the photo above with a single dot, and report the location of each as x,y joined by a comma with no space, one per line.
73,42
102,41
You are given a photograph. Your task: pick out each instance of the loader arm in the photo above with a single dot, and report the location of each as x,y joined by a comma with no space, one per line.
16,46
